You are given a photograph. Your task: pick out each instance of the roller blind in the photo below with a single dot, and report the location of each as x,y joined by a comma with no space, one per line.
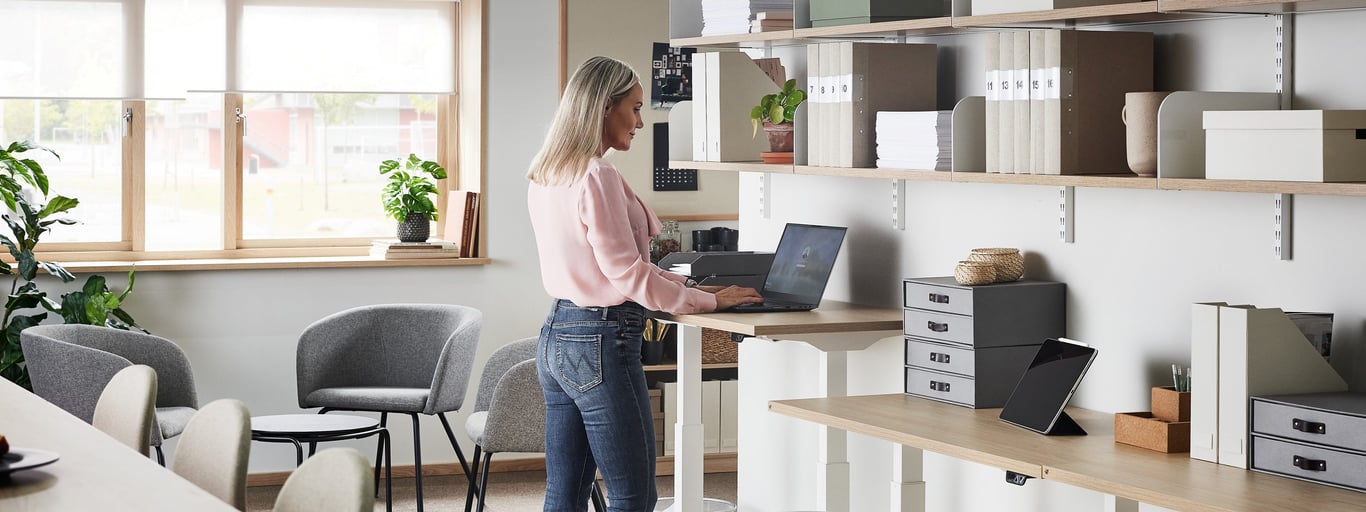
355,46
55,48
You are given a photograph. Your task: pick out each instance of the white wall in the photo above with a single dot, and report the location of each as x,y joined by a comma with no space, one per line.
1140,257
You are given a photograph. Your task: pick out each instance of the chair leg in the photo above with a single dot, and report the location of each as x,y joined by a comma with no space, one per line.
599,501
484,481
458,454
469,496
379,449
161,456
417,459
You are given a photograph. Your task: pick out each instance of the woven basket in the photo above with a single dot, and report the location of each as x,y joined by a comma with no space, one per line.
1009,262
718,348
972,273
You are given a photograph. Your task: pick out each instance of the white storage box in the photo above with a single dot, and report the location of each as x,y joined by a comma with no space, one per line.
1286,145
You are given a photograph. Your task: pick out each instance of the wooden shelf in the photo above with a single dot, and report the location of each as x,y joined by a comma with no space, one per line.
1128,181
860,172
1265,187
732,40
1260,6
1135,12
731,166
922,26
674,366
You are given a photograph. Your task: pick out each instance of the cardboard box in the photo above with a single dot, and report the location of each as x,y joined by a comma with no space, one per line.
1320,146
1141,429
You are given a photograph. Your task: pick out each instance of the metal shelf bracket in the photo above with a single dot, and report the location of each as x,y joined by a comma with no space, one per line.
1067,197
898,205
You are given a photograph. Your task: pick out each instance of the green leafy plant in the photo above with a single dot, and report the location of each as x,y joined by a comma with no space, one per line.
408,191
28,219
779,107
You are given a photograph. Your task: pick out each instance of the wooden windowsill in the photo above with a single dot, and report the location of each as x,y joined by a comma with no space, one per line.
296,262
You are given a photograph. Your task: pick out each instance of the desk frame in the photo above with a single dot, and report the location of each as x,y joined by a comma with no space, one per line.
834,329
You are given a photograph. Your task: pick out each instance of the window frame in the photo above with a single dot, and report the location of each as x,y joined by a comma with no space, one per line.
460,149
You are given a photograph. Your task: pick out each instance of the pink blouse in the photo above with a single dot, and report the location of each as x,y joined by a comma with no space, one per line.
593,237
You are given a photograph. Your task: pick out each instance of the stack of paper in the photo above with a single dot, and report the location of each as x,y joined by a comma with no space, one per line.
722,17
915,140
394,250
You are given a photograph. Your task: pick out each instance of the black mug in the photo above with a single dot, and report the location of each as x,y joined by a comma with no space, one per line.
701,239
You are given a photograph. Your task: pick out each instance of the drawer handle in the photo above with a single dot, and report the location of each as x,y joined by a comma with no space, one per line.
936,357
939,386
1308,427
938,327
1310,464
939,298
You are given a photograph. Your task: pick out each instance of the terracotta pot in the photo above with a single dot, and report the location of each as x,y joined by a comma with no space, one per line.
779,137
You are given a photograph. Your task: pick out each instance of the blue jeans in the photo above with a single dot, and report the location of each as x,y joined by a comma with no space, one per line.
597,409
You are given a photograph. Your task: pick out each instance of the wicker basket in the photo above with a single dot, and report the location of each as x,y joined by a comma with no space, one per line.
1008,261
972,273
718,348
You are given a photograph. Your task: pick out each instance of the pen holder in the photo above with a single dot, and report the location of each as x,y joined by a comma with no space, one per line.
1141,429
1170,404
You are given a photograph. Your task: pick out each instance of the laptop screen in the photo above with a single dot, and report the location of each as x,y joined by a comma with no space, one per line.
803,262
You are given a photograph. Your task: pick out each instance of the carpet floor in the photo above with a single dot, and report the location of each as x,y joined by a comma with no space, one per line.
508,492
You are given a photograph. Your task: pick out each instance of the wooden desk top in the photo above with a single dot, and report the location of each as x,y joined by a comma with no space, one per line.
94,472
1093,461
830,317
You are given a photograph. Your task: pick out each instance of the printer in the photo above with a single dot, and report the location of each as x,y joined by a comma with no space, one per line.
721,268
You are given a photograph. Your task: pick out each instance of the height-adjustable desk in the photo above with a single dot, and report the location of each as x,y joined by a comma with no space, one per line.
834,329
1130,474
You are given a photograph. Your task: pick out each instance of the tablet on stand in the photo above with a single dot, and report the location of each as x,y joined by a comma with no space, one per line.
1043,391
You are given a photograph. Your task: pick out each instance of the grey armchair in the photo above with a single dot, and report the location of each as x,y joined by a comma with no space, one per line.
391,358
70,365
509,414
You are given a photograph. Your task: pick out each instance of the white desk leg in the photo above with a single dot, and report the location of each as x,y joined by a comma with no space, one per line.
1118,504
832,462
688,431
908,479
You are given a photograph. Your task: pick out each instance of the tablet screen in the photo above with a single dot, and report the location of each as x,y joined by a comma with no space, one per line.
1046,386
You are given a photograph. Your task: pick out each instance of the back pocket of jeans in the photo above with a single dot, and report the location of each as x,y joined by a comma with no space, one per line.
579,360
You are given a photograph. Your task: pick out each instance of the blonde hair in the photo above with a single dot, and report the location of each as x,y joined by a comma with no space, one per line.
575,135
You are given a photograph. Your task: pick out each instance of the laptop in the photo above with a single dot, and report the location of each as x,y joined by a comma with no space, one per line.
801,269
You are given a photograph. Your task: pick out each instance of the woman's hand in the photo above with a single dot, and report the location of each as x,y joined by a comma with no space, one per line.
730,296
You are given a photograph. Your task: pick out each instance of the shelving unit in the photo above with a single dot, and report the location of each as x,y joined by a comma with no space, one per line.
1125,13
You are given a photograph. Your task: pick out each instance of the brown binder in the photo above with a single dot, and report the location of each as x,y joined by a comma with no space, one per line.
1083,132
462,212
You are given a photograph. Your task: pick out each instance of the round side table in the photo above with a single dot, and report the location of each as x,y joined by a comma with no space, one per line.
297,429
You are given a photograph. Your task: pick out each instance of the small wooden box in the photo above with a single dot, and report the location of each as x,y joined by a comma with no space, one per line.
1170,405
1141,429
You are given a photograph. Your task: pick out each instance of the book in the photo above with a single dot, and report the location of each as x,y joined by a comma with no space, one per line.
774,15
462,208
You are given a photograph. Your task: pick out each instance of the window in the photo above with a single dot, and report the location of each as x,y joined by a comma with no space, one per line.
228,128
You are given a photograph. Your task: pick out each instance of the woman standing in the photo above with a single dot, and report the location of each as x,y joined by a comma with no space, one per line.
592,234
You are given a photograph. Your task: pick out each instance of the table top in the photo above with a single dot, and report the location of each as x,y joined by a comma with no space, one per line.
1093,461
94,472
830,317
311,424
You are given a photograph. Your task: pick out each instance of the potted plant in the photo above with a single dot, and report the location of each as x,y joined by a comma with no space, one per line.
408,195
776,111
23,187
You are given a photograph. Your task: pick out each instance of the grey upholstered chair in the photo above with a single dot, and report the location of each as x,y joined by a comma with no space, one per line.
70,365
509,414
335,480
391,358
124,409
214,449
